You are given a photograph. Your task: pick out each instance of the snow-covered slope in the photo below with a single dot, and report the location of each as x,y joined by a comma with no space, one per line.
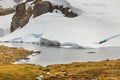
65,4
99,21
83,30
7,4
5,22
31,38
106,9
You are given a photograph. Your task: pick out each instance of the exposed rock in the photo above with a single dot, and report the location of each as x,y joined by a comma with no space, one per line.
36,8
41,8
47,42
20,9
21,17
6,11
65,11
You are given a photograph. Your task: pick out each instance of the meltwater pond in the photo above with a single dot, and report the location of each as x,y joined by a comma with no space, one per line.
52,55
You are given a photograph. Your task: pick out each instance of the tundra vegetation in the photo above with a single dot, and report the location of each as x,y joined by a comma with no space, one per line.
104,70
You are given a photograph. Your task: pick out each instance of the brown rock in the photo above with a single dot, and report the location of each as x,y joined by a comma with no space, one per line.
21,18
65,11
41,8
20,9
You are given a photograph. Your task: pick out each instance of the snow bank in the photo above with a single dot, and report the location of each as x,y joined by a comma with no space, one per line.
59,3
65,4
83,30
7,4
31,38
1,32
99,21
5,22
106,9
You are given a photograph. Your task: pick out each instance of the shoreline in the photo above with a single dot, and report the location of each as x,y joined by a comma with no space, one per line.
104,70
92,70
8,55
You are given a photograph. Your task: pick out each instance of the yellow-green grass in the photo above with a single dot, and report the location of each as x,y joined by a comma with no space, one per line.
8,55
104,70
20,72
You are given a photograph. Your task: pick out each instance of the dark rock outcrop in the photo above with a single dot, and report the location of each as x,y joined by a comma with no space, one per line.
6,11
21,17
37,8
41,8
65,11
47,42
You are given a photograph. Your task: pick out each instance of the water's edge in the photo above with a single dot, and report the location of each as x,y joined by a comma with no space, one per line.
54,55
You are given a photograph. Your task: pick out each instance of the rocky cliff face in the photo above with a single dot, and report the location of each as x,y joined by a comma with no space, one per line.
21,17
36,8
41,7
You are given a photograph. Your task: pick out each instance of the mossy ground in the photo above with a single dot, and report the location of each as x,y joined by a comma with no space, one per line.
8,55
104,70
20,72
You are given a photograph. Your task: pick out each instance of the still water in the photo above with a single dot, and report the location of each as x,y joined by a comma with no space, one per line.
53,55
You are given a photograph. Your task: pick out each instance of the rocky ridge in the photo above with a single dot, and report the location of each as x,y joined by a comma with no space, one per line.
36,8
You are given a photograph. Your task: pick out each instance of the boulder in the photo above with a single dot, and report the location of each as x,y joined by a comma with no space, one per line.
47,42
41,8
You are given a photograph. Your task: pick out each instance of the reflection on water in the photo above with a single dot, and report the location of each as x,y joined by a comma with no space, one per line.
52,55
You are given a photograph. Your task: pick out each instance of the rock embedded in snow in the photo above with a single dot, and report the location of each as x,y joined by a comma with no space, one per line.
20,8
41,8
6,11
5,24
65,11
21,18
83,30
36,8
47,42
59,3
